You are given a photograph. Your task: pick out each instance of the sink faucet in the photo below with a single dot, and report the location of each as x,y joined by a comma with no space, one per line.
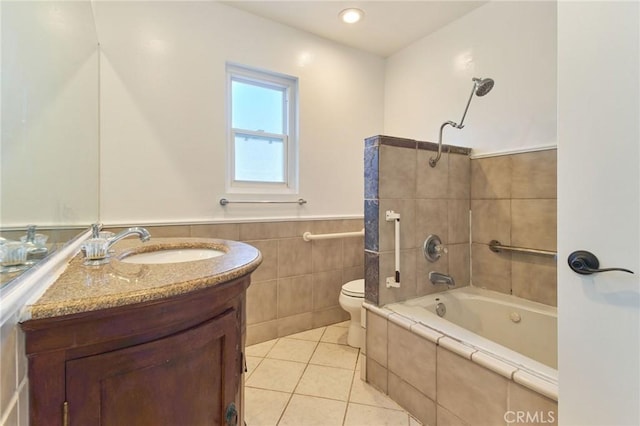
136,230
439,278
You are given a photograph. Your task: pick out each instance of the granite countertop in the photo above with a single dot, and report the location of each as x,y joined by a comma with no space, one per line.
82,288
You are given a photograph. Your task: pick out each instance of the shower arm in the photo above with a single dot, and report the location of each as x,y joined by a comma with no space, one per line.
433,161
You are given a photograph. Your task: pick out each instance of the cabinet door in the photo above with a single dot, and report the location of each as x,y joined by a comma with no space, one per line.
185,379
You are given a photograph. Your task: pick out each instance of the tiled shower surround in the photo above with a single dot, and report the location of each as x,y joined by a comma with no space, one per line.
512,199
297,286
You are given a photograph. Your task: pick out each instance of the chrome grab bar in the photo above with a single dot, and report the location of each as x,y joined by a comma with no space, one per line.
224,202
496,247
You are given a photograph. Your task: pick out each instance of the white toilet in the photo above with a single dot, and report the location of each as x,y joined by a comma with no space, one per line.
351,298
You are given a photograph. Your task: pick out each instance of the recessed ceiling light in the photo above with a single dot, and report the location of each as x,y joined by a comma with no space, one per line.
351,16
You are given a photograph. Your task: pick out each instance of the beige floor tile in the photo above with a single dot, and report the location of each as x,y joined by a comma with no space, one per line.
312,411
359,362
363,393
260,349
252,364
313,335
264,407
414,422
276,374
359,415
335,334
326,382
333,355
292,350
344,324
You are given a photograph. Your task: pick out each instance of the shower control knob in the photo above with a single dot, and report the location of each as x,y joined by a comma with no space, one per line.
586,263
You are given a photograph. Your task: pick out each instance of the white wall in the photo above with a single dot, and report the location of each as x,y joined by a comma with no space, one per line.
163,111
429,82
599,211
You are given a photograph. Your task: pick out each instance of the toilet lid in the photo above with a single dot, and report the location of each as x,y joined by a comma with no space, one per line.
354,288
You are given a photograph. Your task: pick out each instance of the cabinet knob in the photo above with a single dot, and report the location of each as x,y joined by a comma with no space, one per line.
586,263
231,416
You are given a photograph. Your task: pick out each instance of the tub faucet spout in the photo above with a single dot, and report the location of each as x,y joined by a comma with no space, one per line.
136,230
439,278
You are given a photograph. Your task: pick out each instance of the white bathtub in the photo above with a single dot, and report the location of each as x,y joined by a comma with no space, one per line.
517,331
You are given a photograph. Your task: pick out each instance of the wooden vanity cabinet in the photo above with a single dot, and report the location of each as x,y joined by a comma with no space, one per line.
176,361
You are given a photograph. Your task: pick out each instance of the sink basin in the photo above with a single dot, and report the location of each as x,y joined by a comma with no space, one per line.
175,255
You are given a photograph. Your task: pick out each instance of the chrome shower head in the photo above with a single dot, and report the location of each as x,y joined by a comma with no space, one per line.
483,86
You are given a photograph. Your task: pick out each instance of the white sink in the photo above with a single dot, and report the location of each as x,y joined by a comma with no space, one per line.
176,255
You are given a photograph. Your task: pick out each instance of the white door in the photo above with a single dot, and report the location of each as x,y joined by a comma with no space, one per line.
599,211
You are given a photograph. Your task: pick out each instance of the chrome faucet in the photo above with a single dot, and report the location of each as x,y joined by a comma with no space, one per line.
439,278
142,233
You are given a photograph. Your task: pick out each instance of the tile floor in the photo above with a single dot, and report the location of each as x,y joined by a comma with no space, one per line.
313,378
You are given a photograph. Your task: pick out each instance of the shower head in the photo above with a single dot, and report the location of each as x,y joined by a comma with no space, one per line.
483,86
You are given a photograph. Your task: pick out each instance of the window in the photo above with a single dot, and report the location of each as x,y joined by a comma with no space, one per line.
262,131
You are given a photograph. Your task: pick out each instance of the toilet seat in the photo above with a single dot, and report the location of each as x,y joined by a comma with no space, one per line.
354,288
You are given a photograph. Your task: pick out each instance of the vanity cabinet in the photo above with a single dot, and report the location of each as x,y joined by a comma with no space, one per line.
175,361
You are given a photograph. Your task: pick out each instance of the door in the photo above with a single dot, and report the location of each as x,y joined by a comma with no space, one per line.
185,379
598,211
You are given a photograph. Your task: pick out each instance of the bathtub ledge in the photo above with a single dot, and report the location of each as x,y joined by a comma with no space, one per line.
494,364
456,347
402,321
381,312
548,389
426,333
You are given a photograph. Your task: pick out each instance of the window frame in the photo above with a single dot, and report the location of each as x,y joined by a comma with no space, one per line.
270,80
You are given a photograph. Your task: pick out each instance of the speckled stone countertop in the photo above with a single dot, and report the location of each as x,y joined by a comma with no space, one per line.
83,288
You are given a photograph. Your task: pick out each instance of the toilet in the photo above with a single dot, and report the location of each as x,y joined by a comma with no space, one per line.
351,298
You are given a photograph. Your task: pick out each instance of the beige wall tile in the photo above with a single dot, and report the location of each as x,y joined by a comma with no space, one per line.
326,289
534,175
329,316
407,288
386,230
533,224
262,301
261,332
523,399
8,373
170,231
294,257
21,354
415,402
224,231
326,255
397,172
413,359
23,406
350,274
459,258
353,252
491,270
471,392
267,230
459,176
491,178
432,219
295,324
458,221
268,269
491,221
534,278
295,295
332,226
432,182
377,339
376,375
446,418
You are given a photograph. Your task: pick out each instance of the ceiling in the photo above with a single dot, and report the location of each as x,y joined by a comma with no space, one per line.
387,27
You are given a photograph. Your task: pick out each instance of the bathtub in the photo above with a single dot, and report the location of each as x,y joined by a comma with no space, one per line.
514,330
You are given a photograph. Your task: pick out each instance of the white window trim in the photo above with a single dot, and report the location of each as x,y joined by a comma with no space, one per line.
268,79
